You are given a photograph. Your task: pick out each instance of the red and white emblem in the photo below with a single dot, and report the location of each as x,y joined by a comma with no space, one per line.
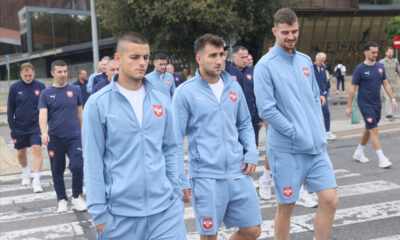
70,94
176,79
369,120
207,223
234,77
287,191
37,92
305,71
248,76
380,71
322,69
158,110
51,153
168,82
14,140
233,96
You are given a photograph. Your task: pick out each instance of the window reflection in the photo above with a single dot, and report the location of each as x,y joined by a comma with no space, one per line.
71,29
41,31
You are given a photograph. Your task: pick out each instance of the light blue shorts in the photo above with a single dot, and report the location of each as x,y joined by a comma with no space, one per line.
233,201
166,225
290,171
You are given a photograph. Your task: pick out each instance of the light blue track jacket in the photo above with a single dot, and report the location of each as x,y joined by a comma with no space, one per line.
287,97
213,129
166,83
129,171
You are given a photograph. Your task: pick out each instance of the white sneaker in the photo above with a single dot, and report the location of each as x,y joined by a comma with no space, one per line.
62,206
37,188
360,157
384,162
26,179
265,189
330,136
306,200
78,204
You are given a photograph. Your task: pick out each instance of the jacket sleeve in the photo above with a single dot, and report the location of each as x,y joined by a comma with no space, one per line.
264,90
180,109
93,145
11,107
170,147
90,84
172,87
246,132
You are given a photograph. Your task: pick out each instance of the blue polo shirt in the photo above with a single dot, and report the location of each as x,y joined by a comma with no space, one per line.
369,80
62,115
83,87
22,112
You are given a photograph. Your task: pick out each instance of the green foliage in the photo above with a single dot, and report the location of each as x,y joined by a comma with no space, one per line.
392,28
171,26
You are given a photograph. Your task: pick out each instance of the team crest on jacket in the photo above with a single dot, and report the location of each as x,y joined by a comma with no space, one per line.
322,69
207,223
70,94
233,96
37,92
234,77
287,191
176,79
168,82
380,71
248,76
51,153
14,140
305,71
158,111
369,120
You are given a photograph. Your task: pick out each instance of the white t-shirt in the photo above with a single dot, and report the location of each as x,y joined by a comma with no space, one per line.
342,68
217,88
135,98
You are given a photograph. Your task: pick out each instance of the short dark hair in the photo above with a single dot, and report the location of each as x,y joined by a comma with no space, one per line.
131,37
238,48
27,65
368,45
160,56
59,63
201,42
285,15
389,47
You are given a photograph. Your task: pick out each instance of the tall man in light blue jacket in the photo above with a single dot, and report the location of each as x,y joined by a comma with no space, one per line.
211,110
129,148
288,98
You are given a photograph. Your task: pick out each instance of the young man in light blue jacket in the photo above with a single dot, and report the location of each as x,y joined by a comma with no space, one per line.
211,110
288,98
129,148
161,78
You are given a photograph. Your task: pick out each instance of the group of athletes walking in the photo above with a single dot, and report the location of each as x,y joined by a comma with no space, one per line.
128,139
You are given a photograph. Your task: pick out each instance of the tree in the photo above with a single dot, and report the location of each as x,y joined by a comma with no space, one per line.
171,26
392,28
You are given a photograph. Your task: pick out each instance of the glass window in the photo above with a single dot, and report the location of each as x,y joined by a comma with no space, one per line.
41,31
71,29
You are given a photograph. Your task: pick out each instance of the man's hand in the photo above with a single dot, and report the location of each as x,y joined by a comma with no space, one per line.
251,168
395,106
348,111
45,139
100,227
323,100
187,194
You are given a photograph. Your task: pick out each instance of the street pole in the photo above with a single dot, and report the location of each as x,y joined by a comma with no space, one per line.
95,41
8,69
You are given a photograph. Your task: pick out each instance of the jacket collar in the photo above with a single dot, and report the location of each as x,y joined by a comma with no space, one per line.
279,51
147,84
226,78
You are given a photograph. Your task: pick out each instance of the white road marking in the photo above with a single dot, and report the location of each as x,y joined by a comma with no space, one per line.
347,216
67,230
395,237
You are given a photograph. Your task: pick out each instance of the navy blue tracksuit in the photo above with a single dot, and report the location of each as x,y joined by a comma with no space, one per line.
83,87
22,113
65,136
100,85
98,78
248,89
320,75
178,79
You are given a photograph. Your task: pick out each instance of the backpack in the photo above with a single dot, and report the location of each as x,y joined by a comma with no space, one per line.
338,72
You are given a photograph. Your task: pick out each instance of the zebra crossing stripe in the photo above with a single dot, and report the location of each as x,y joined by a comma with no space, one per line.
67,230
347,216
